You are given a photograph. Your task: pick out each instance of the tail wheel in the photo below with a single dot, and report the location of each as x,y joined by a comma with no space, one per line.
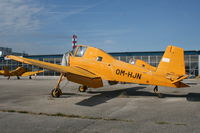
157,93
56,92
82,88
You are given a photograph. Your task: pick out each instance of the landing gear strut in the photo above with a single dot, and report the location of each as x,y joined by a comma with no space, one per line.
56,92
82,88
156,92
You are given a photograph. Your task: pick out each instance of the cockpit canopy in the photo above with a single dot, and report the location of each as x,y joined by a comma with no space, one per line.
79,51
92,53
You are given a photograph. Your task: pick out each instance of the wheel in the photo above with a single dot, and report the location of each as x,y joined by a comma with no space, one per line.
160,95
155,89
82,88
56,92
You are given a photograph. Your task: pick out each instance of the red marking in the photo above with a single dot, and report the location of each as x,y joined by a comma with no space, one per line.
74,41
74,46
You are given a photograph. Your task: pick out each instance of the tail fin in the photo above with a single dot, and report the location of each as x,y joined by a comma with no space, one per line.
6,70
19,71
172,62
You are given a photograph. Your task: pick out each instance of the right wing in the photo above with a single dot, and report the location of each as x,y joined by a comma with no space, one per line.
74,74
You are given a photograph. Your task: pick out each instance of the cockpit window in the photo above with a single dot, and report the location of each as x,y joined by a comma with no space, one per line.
81,50
74,50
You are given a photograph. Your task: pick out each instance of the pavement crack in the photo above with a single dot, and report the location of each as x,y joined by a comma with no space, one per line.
167,123
65,115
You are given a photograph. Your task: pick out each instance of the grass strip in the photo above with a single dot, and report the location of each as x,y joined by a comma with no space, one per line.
65,115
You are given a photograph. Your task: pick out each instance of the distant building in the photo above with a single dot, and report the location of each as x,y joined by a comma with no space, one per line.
5,51
8,51
192,60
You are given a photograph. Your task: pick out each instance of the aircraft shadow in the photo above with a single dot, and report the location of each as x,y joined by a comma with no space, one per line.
104,96
195,97
192,83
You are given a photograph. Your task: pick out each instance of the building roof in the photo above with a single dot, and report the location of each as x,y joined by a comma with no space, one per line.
147,53
151,53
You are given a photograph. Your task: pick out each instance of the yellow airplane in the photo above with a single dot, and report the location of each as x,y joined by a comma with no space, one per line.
88,66
19,71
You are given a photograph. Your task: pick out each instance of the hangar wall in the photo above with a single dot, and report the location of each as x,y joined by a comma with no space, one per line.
192,60
199,66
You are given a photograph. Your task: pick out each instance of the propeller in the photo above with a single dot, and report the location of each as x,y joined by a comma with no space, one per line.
65,59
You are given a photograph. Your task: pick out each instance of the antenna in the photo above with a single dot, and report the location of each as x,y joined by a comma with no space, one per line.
74,41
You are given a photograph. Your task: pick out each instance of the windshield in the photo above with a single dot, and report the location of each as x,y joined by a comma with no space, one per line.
73,51
81,50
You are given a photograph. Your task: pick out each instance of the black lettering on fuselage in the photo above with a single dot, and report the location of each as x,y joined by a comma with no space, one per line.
139,76
118,72
122,72
128,74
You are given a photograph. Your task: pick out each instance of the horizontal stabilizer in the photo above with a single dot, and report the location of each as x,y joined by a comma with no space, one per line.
180,78
181,84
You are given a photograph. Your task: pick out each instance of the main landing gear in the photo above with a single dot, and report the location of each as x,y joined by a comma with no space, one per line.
56,92
82,88
156,92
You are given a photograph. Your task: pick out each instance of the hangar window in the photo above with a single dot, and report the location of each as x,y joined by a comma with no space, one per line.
81,51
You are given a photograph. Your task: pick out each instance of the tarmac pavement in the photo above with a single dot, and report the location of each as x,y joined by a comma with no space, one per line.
26,106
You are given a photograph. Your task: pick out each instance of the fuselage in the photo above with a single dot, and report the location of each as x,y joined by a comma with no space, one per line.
108,68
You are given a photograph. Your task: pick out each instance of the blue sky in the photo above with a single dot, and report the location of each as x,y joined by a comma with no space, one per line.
46,26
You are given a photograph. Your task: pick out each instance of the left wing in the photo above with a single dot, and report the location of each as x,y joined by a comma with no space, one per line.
53,67
74,74
31,73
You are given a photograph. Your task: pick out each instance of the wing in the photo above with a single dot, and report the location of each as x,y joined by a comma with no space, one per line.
2,72
31,73
74,74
